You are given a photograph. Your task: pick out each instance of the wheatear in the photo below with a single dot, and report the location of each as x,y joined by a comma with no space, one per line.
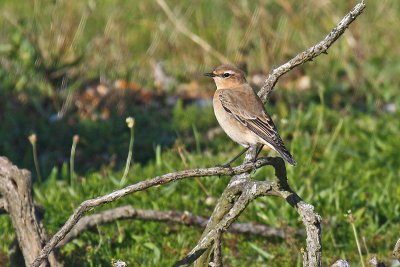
241,113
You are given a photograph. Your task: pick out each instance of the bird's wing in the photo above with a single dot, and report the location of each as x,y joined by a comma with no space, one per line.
246,107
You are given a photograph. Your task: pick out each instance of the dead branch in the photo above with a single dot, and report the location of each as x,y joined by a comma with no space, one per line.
396,250
250,190
159,180
15,187
185,218
310,53
242,189
225,205
311,220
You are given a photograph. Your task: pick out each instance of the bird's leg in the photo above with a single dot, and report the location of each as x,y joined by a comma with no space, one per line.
228,163
257,153
255,158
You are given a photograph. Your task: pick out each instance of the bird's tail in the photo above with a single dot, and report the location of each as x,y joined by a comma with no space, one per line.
286,155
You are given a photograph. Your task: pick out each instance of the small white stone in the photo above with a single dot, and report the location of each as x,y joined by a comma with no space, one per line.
119,263
341,263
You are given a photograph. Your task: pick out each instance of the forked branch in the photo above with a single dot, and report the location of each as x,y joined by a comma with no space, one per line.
242,189
310,53
16,199
250,191
312,257
159,180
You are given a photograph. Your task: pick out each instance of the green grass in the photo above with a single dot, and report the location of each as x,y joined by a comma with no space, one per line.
351,165
345,143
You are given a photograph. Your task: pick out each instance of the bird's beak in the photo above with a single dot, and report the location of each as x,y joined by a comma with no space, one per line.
209,74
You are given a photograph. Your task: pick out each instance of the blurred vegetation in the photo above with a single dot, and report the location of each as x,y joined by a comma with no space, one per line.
82,67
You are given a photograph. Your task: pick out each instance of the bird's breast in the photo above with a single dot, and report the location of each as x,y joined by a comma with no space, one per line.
232,127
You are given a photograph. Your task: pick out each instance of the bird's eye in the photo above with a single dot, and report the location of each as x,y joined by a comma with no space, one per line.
226,74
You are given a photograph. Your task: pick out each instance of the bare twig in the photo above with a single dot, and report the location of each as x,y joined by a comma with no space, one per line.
225,204
241,189
312,257
185,218
311,220
163,179
251,191
180,26
311,52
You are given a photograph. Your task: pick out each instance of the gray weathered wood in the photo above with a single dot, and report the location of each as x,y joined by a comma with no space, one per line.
140,186
312,256
396,250
241,189
186,218
15,189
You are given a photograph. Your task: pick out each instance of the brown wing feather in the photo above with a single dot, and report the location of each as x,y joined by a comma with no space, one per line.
254,117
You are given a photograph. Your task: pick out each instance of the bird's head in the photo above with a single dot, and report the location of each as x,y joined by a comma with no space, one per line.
227,76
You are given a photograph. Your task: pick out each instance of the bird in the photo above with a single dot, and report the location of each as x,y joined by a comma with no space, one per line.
242,115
